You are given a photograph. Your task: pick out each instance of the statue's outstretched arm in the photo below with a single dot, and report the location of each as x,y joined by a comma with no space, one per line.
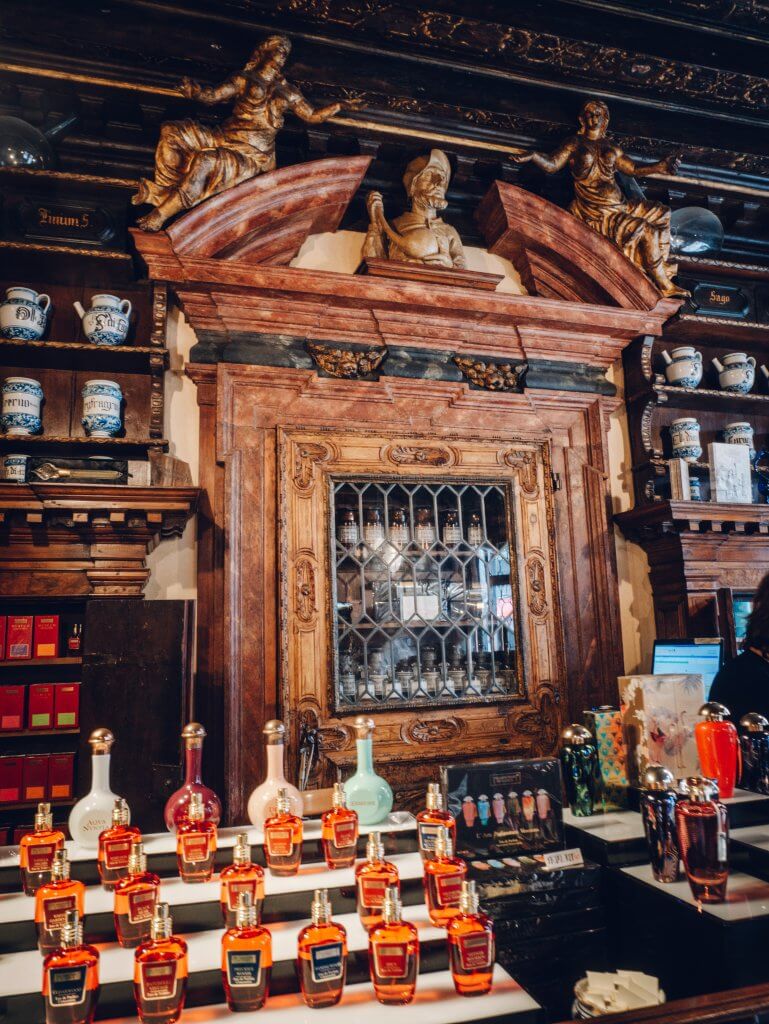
550,164
668,165
210,95
315,115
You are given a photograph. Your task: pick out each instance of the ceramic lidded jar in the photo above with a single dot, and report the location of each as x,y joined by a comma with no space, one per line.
24,314
740,433
685,439
22,399
102,400
106,322
736,372
684,367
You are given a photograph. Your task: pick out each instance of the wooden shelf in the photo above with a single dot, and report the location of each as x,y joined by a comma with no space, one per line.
708,399
46,249
24,805
696,327
8,442
83,355
38,662
661,517
27,733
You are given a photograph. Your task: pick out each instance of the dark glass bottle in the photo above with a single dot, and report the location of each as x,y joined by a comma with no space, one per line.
579,760
703,838
754,746
658,811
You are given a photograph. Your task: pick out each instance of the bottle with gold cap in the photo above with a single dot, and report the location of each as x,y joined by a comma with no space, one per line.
367,793
37,849
241,876
193,735
393,954
93,814
443,877
136,896
54,899
160,972
115,845
263,801
322,955
471,945
71,976
339,831
246,959
431,819
283,834
373,877
195,843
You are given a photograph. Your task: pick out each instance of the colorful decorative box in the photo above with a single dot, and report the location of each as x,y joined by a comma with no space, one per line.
605,723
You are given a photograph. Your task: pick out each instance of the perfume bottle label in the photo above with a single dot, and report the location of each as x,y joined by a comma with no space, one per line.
448,888
372,891
141,905
195,847
327,961
427,835
244,967
158,980
234,889
55,911
40,858
116,853
66,985
391,959
344,834
475,951
280,841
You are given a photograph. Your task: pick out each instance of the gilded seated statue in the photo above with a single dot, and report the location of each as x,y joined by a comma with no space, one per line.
419,235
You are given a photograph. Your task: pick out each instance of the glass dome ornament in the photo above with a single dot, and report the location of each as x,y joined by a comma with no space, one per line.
23,145
695,231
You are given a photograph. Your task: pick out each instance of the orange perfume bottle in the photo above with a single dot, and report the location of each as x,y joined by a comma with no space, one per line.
241,876
339,832
431,819
136,896
37,849
718,746
283,838
54,899
71,977
471,945
115,845
443,879
322,955
373,877
393,954
160,972
195,843
246,959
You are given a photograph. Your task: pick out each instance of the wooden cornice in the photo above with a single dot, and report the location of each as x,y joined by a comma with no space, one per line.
646,522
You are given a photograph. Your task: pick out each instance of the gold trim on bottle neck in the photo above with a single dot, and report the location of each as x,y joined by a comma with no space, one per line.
338,798
241,853
43,818
137,859
443,844
162,926
392,908
60,867
196,810
364,727
468,900
434,798
119,812
283,803
274,732
374,847
245,915
71,934
193,735
101,741
320,910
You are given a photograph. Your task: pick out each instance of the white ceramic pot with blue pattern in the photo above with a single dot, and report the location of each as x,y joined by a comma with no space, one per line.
22,399
736,372
106,322
15,468
102,400
740,433
685,438
24,314
684,367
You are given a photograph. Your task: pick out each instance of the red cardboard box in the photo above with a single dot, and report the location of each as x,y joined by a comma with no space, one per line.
11,769
40,711
61,770
35,785
46,636
19,637
3,655
66,705
11,708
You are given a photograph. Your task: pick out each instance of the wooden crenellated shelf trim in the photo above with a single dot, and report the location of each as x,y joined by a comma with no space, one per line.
647,521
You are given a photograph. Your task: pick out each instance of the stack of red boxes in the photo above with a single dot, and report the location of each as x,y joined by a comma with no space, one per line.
49,706
33,777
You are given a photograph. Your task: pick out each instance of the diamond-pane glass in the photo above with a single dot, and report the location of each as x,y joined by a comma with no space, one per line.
424,605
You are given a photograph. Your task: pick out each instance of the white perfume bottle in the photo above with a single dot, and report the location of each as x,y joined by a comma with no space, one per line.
93,814
263,801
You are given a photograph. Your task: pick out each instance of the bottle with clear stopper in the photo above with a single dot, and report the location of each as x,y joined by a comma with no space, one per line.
367,793
193,736
263,801
471,945
393,954
71,976
322,955
93,814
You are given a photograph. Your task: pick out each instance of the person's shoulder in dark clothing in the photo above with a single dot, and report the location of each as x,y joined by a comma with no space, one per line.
743,685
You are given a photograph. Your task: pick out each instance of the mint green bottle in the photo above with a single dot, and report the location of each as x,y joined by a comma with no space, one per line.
367,793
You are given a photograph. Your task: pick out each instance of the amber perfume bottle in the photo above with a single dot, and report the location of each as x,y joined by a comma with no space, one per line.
246,959
241,876
471,945
703,838
443,879
718,746
658,810
393,954
431,819
37,850
136,896
283,838
71,977
160,972
54,899
322,955
115,845
373,876
339,834
195,843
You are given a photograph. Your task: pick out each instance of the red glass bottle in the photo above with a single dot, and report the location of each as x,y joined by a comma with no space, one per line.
246,959
431,819
195,843
136,896
703,839
71,977
283,839
54,899
718,746
443,877
373,877
393,953
322,955
160,972
339,832
193,735
115,845
241,876
37,850
471,945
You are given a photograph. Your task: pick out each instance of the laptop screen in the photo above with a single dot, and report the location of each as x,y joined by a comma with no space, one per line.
688,657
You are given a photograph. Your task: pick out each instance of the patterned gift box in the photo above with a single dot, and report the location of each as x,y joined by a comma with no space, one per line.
605,724
658,718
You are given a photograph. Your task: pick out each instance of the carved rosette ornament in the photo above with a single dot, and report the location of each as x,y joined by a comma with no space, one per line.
308,454
433,730
305,591
493,376
525,462
346,363
419,455
535,582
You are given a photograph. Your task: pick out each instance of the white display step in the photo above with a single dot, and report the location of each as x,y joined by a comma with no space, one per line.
747,897
435,1002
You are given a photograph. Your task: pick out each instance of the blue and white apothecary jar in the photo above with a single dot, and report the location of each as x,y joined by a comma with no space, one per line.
24,314
740,433
22,399
106,322
736,372
684,367
685,438
102,400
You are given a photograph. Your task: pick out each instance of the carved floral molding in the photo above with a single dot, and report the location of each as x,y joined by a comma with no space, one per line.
493,376
346,363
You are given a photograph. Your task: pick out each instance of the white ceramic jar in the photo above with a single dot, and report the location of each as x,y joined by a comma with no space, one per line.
24,314
684,367
15,468
106,322
685,438
102,400
736,372
740,433
22,401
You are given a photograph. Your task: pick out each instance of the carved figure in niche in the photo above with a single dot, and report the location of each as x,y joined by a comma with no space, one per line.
640,228
194,161
419,235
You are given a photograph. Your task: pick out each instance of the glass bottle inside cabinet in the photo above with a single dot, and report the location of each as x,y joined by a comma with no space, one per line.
424,594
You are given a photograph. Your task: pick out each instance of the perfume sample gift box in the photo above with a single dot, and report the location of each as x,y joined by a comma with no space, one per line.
658,718
46,636
66,705
12,708
61,768
35,777
19,637
11,769
40,713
